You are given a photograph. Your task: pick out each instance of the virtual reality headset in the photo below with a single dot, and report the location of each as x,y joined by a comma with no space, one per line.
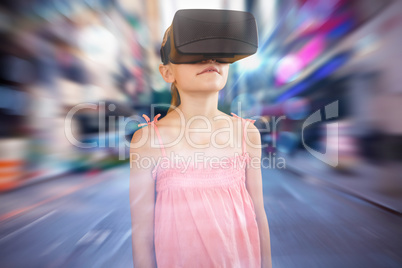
201,34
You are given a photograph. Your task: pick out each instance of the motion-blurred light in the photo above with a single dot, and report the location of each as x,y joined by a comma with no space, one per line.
98,43
367,45
288,68
250,63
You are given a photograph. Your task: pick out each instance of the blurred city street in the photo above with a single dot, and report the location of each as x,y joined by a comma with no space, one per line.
324,90
83,220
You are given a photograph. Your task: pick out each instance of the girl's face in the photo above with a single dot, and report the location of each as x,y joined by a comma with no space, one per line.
205,75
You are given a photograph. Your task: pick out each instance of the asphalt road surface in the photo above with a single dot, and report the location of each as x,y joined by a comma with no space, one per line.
83,220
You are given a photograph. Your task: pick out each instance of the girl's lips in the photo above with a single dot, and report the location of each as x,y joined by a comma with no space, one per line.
208,70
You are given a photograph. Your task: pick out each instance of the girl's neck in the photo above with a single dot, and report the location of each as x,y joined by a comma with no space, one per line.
205,106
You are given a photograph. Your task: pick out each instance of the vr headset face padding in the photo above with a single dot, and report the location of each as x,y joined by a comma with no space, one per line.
202,34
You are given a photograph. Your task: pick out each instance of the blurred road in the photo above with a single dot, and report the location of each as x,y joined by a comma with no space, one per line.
84,221
76,221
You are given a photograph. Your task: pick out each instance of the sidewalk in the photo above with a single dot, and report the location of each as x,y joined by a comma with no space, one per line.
365,181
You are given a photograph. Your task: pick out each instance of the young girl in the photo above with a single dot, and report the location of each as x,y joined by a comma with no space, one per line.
195,185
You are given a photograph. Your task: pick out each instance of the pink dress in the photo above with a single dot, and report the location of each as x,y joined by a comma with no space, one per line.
204,216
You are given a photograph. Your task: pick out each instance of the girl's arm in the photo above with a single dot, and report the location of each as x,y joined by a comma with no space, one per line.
254,188
142,201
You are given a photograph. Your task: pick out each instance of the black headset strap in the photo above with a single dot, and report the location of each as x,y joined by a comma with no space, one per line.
165,50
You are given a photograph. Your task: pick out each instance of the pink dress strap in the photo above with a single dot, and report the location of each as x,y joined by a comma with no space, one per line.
244,130
152,123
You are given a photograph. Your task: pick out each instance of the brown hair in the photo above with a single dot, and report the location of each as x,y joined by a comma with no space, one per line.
173,89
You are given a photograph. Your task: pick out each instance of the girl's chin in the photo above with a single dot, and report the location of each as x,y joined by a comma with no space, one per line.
211,88
203,86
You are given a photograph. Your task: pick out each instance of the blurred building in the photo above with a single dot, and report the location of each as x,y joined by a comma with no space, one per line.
56,55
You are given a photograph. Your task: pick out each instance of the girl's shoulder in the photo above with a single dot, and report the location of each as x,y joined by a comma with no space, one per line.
172,125
243,118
